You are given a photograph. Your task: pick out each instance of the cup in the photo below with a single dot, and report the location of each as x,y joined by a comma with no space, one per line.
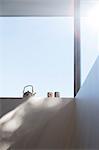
57,94
49,94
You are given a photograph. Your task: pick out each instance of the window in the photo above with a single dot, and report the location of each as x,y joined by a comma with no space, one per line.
37,51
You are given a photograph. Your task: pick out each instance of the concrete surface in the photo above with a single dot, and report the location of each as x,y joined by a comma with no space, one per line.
38,124
8,104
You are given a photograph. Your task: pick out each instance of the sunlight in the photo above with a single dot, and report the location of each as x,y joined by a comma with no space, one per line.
12,125
93,18
43,102
7,117
52,102
35,102
12,121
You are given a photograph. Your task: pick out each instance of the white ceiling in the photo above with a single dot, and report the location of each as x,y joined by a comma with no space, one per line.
40,7
36,7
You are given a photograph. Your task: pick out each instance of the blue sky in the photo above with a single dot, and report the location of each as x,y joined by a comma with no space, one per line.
40,51
37,51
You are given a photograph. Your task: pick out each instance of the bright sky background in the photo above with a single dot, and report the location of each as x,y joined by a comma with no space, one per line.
89,47
40,51
37,51
89,37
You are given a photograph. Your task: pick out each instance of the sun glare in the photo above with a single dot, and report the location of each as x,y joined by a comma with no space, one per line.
93,18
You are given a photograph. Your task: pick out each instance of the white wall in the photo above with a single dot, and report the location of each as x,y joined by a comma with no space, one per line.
87,112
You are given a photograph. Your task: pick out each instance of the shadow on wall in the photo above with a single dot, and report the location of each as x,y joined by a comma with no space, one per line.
8,104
